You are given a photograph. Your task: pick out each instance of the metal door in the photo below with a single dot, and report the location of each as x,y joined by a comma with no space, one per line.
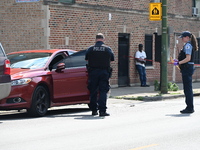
123,59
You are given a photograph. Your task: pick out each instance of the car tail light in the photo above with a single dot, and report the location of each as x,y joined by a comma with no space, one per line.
7,67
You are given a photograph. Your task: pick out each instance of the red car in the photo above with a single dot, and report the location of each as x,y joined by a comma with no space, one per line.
46,78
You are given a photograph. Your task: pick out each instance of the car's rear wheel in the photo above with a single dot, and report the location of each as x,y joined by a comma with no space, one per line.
40,102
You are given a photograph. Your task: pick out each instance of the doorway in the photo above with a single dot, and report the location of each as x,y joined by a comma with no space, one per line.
123,59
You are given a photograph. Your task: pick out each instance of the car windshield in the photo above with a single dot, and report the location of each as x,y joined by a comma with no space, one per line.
28,60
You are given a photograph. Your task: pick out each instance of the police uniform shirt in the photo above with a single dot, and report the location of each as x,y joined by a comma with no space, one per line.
188,50
96,55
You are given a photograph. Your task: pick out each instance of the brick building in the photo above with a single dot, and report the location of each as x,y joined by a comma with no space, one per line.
72,24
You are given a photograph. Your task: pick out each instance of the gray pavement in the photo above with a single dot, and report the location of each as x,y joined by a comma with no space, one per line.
148,93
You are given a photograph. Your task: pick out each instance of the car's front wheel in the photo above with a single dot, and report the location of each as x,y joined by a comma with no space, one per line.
40,102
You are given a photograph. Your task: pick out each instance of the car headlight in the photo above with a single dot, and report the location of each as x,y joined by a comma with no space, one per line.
21,81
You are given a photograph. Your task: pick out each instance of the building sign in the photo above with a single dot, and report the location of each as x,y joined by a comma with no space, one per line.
155,11
20,1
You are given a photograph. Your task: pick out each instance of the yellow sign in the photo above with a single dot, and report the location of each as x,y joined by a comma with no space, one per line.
155,11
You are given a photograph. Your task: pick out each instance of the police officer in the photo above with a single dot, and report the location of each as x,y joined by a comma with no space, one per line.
99,71
186,65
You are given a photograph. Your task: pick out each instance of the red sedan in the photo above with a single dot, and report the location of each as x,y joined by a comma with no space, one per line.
46,78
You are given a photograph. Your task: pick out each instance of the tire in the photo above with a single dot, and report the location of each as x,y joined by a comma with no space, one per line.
40,102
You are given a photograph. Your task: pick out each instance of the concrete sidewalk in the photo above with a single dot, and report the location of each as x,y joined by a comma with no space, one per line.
148,93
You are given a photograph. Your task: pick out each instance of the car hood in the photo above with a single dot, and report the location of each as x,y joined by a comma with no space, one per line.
18,73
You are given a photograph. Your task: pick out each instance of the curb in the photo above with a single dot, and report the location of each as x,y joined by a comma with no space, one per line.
159,98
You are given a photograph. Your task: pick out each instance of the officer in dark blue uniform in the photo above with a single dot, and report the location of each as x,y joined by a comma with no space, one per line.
186,65
99,71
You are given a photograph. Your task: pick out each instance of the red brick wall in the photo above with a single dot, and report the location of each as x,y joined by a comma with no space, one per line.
21,27
82,25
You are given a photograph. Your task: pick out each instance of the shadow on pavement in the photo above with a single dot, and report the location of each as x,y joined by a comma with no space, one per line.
15,116
66,112
179,115
72,113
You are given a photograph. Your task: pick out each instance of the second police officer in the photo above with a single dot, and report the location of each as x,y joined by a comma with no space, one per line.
99,72
186,64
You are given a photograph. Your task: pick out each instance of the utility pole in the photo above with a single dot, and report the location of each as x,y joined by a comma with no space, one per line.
164,51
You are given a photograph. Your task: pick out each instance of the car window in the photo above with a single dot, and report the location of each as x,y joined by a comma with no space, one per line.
2,54
56,60
76,60
28,60
71,52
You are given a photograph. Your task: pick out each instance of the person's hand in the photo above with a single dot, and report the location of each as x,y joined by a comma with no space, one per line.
142,60
176,63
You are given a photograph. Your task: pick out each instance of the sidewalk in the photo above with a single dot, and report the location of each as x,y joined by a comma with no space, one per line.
148,93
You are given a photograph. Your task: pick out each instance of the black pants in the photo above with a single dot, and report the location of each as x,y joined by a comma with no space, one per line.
187,73
98,85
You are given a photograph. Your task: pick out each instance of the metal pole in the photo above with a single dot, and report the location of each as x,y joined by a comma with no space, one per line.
164,72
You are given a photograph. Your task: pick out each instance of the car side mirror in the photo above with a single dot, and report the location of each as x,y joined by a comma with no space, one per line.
60,67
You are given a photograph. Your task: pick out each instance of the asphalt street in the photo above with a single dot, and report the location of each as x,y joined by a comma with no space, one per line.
133,125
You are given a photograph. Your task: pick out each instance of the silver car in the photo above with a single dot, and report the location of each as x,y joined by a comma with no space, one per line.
5,80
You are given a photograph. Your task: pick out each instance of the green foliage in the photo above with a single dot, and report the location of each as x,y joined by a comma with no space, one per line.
130,98
156,85
171,86
140,98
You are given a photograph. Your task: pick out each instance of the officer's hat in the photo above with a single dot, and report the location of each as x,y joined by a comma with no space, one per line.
185,33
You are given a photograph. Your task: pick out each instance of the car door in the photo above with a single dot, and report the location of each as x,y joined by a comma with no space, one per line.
5,79
70,84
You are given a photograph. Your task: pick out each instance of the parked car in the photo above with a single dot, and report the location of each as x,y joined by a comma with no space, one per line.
5,80
46,78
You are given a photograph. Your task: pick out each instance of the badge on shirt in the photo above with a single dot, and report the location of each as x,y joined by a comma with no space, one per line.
188,47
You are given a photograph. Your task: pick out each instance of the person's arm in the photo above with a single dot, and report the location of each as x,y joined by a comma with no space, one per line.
86,54
188,52
112,58
138,59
